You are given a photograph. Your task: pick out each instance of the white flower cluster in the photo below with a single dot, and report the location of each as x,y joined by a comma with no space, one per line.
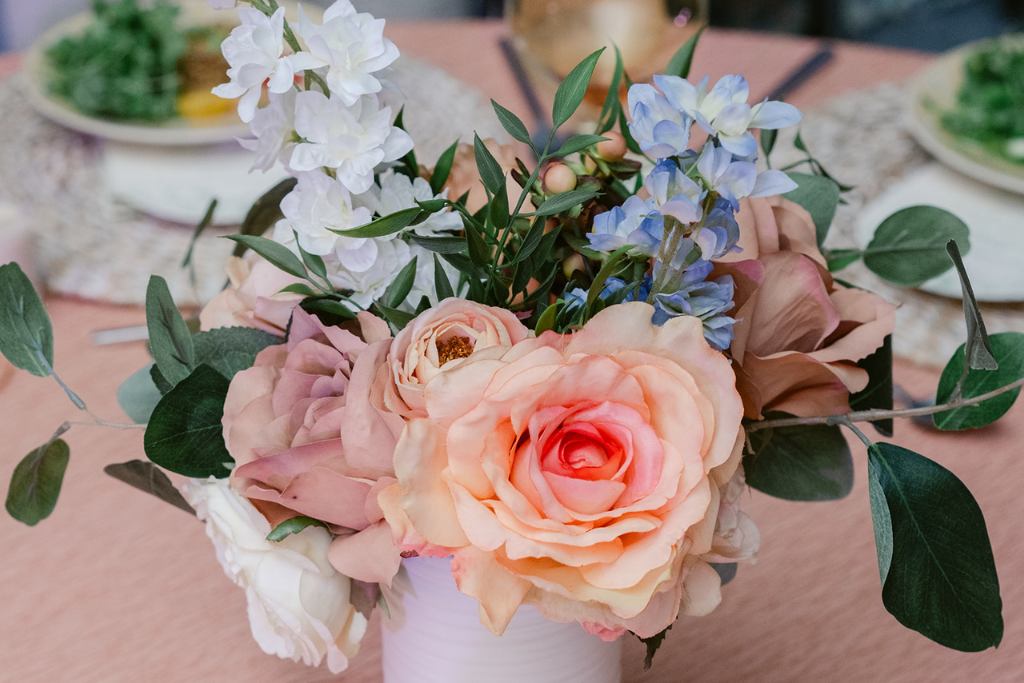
329,130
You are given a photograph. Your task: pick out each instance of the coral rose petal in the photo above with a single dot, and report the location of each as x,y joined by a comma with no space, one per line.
499,591
369,555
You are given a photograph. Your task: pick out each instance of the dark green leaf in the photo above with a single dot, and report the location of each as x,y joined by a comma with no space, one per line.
726,572
440,245
768,138
682,60
653,643
546,321
394,316
441,284
978,350
443,169
597,287
265,212
161,383
26,334
313,262
169,337
328,309
568,200
820,196
612,103
841,258
498,212
229,350
577,143
203,225
909,247
408,165
878,393
138,395
934,557
185,435
299,288
399,289
806,463
429,206
479,253
147,477
571,90
384,226
631,144
532,240
490,170
799,143
511,123
35,484
292,526
279,255
1008,351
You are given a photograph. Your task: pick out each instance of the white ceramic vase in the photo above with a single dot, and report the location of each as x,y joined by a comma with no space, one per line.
443,641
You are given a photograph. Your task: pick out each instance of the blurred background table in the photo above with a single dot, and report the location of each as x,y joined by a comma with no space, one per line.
117,586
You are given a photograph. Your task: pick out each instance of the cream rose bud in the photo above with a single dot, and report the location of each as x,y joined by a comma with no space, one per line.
436,341
299,606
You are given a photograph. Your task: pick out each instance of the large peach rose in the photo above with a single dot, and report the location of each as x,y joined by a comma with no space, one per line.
253,299
580,474
439,340
799,333
308,439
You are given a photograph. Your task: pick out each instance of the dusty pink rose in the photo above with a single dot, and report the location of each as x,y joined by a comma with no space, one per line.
254,298
799,333
438,340
580,474
308,438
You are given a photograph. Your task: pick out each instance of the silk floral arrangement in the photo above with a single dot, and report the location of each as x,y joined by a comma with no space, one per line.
563,375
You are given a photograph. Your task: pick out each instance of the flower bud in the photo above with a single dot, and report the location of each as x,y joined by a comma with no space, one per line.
572,264
612,149
559,178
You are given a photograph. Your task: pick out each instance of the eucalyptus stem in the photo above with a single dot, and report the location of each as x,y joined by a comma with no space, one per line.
877,414
99,422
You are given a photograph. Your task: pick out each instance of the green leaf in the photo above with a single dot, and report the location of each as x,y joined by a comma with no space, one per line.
490,170
531,241
597,286
161,383
682,60
805,463
26,334
313,262
440,245
292,526
441,284
35,484
546,321
935,561
909,247
567,200
138,395
511,123
652,644
978,350
147,477
384,226
841,258
328,309
203,225
577,143
768,138
299,288
169,337
479,253
443,169
571,90
498,210
878,393
265,212
820,196
278,254
399,289
1008,351
612,103
185,435
409,165
229,350
394,316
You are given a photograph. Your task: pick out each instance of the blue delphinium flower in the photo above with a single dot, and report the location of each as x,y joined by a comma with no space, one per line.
708,300
660,129
635,222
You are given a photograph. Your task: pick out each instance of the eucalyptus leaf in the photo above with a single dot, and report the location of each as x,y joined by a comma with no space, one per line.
184,434
511,123
138,395
909,247
147,477
490,170
229,350
265,212
804,463
278,254
35,484
1008,352
170,340
820,196
838,259
565,201
935,561
293,526
571,90
878,393
385,225
442,169
978,350
26,333
682,60
768,138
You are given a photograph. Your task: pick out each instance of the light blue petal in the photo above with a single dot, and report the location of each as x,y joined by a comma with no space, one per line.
774,115
741,146
770,183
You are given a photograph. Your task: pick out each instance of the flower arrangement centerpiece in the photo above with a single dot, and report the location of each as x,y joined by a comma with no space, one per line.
552,381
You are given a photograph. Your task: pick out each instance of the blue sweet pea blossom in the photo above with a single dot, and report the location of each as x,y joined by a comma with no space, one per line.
724,112
635,222
660,129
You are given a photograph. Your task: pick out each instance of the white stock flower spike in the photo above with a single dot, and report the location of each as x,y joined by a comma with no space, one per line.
272,127
318,205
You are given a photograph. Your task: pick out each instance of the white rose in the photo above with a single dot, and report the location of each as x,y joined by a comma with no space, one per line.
299,606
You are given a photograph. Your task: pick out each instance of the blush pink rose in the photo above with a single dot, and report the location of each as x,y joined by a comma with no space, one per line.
308,438
580,474
254,298
799,333
438,340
